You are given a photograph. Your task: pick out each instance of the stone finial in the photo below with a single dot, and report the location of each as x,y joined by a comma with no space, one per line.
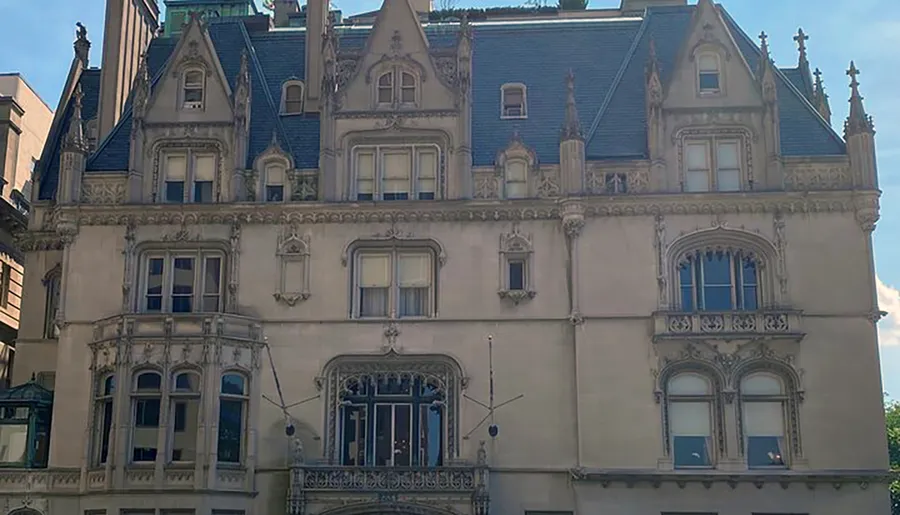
801,38
764,44
820,98
654,83
857,121
572,126
141,88
82,45
75,135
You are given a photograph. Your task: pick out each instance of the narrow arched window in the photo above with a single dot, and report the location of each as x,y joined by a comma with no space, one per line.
690,407
104,393
146,398
52,284
275,180
192,89
293,98
763,402
185,416
386,88
719,280
233,400
407,88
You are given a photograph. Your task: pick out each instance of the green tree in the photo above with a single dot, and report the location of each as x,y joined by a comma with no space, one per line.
892,416
573,5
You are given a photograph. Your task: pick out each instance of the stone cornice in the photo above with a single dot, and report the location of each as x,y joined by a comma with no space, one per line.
785,478
472,210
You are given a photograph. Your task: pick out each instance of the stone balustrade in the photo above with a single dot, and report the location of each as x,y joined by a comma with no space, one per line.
779,323
181,325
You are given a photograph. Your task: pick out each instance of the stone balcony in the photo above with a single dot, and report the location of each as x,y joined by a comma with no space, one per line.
727,325
180,325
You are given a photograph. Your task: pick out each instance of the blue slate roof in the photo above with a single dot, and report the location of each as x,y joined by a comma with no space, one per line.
608,57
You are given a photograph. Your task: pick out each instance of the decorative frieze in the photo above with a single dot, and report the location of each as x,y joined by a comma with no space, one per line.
727,325
104,190
812,177
605,181
420,479
487,185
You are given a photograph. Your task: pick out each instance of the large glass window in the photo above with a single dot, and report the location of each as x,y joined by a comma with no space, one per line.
763,402
103,416
146,402
392,420
721,280
184,416
690,406
398,282
183,282
400,172
232,418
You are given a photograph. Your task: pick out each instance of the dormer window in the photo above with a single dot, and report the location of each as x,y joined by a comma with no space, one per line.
516,178
397,85
192,89
189,176
709,74
275,182
513,103
292,97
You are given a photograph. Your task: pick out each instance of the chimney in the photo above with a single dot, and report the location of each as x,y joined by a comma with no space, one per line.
123,45
283,9
638,6
316,13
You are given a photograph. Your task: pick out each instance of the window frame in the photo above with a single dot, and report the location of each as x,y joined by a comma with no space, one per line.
712,169
175,395
524,105
782,399
393,303
414,150
507,182
200,256
105,390
6,271
699,72
710,399
285,181
244,399
135,396
285,87
183,103
189,184
695,261
52,299
396,88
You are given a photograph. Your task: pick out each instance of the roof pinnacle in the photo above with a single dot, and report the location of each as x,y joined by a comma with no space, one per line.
572,127
801,38
857,121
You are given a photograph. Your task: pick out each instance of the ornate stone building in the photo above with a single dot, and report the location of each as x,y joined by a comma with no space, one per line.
612,261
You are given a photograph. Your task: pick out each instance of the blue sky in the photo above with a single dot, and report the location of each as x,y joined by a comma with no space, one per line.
865,30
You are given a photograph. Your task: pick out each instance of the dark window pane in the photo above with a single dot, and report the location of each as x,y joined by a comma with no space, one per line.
354,435
143,454
203,191
230,430
750,298
109,385
363,196
431,435
516,275
149,381
274,193
154,284
717,298
426,195
394,386
396,196
106,425
709,81
384,425
212,276
716,269
183,285
764,451
686,278
402,435
193,95
180,416
232,384
690,451
146,413
175,191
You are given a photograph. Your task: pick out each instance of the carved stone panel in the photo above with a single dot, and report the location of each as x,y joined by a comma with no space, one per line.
104,190
293,266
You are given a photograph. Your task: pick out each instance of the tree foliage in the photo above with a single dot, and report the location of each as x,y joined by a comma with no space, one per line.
573,5
892,416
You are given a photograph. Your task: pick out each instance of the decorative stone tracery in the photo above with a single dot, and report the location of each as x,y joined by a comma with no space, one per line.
293,266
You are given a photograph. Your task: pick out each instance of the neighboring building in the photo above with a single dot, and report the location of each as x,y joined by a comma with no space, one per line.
178,11
24,122
627,222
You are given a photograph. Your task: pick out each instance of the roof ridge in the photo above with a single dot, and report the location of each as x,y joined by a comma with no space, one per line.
626,62
276,115
784,79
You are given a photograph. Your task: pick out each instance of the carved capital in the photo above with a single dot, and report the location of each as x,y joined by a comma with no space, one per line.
572,214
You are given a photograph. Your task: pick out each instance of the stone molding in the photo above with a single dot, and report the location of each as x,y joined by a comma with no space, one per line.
785,479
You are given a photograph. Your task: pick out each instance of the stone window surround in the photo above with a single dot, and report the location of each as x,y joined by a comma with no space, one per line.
727,239
516,246
709,45
726,380
341,369
148,249
284,89
293,249
509,86
182,87
394,251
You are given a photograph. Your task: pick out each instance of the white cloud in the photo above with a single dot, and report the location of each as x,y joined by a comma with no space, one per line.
889,326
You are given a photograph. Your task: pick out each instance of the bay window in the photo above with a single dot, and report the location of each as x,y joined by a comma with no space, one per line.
233,399
396,172
397,282
183,281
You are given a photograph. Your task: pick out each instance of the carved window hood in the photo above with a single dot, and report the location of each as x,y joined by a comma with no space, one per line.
728,325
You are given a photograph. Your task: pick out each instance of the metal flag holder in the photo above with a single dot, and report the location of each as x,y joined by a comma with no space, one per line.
289,428
493,429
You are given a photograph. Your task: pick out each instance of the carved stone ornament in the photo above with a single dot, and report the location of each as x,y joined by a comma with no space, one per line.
104,190
516,247
516,150
293,266
487,184
182,234
394,235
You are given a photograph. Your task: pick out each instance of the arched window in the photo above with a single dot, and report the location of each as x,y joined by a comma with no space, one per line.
708,73
275,182
513,102
386,88
516,178
690,406
407,88
763,400
233,400
292,97
719,280
192,89
52,283
104,394
185,416
146,400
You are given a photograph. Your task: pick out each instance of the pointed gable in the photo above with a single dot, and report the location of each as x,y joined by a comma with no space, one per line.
194,87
